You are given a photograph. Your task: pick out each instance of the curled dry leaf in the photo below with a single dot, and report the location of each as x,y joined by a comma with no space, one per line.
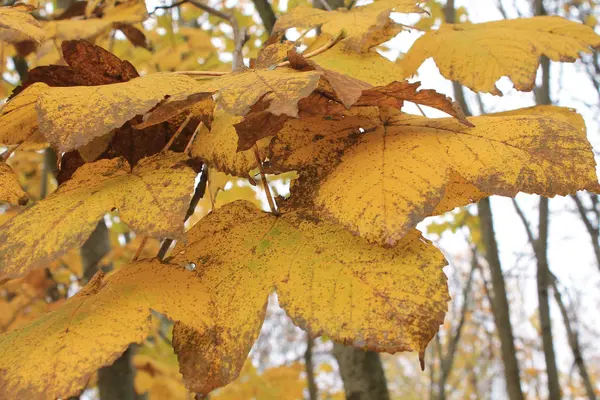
152,199
17,25
406,164
72,117
273,53
241,254
88,65
362,27
10,189
18,118
477,55
199,104
55,356
133,34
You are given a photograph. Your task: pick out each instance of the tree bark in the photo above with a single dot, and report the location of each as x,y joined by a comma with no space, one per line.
362,373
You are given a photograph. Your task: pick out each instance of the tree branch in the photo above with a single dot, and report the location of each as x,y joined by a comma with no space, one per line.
266,13
239,35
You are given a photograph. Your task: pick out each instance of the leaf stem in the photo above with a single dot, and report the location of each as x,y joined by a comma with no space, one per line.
198,194
191,141
138,253
178,132
265,183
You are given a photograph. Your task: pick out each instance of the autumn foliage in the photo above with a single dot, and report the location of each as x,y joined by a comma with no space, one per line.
342,251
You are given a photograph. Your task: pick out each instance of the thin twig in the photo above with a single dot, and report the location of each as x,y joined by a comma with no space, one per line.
202,73
325,5
238,34
198,194
191,141
270,199
318,51
420,110
138,253
6,155
178,132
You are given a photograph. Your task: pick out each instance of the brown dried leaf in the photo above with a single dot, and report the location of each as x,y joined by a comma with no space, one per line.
88,65
133,34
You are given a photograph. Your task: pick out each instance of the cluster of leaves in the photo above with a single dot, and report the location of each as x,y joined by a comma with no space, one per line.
342,251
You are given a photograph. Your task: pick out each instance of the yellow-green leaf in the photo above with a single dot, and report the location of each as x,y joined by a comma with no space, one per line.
152,199
55,355
382,182
477,55
329,281
362,27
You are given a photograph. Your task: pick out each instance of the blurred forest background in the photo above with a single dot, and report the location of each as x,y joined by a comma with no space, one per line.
524,274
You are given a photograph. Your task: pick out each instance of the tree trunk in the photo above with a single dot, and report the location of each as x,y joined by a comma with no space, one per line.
313,392
543,275
500,306
362,373
115,382
574,343
542,95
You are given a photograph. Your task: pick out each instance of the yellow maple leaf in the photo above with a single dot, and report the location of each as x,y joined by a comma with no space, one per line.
362,27
218,146
10,189
328,280
277,383
72,29
396,173
152,199
477,55
16,24
71,117
370,66
55,355
18,118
